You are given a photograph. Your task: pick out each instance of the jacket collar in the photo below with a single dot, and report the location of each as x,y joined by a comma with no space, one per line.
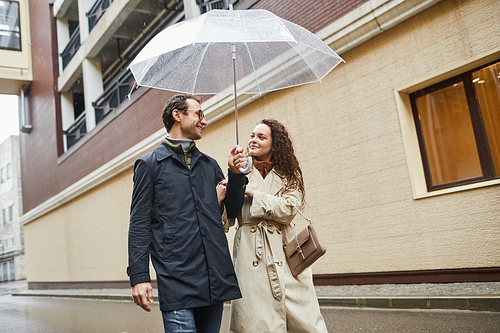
163,151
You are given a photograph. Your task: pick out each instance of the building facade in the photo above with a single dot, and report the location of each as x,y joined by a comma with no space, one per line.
12,261
398,146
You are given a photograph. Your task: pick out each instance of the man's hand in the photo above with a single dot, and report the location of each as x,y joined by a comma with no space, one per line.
237,159
143,293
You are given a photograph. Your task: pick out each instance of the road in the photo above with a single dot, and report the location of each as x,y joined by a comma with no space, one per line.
41,314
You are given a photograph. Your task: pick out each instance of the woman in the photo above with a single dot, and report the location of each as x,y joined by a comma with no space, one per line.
273,299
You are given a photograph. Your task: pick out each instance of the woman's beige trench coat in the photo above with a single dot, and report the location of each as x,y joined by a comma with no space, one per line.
273,300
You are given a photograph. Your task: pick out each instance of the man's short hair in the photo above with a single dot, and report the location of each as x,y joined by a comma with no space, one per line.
176,102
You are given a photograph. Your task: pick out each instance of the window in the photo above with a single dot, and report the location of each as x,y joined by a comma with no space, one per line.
11,209
4,216
12,269
10,32
7,172
1,176
458,128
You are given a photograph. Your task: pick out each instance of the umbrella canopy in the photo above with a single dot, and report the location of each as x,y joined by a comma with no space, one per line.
270,54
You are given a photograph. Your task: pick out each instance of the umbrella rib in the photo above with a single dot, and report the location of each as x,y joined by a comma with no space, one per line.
199,65
286,28
319,79
253,68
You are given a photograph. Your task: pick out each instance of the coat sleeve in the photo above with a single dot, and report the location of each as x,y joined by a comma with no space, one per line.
235,194
279,208
139,234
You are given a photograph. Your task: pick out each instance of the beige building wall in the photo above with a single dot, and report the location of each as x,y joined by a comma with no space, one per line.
350,143
348,139
85,239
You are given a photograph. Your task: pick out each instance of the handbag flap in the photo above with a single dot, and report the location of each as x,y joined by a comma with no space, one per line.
301,238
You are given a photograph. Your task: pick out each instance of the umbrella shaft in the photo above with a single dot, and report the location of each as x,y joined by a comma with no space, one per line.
233,52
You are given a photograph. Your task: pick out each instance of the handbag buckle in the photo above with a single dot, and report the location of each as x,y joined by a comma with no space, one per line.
299,250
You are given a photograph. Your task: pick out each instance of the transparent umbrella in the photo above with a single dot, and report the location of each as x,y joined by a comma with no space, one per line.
233,51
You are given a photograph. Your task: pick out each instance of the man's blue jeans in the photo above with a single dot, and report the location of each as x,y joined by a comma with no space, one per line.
197,320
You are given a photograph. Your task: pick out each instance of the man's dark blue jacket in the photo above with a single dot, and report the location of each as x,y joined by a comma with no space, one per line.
175,218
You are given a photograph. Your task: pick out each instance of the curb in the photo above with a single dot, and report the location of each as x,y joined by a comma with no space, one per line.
473,303
81,296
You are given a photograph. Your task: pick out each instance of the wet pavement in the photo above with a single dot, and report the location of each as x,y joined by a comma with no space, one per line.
40,314
401,308
47,314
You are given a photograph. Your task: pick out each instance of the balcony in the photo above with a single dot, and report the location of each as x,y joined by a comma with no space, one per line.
97,11
77,130
113,96
208,5
71,48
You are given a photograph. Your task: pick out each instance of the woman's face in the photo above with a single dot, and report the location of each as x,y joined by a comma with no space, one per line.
260,143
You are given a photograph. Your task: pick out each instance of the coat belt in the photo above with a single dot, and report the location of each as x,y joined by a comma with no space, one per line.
263,249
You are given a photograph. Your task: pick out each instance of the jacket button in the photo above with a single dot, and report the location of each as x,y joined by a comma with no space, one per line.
253,230
255,263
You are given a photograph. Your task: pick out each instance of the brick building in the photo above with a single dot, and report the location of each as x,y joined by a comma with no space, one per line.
399,146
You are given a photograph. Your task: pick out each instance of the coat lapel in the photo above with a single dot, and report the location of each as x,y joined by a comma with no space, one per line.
195,157
274,182
271,184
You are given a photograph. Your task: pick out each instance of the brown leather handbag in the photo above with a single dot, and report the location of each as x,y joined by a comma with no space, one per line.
304,249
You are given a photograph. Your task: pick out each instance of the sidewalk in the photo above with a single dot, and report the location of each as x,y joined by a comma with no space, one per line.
478,296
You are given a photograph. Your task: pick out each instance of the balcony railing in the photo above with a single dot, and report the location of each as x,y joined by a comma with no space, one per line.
97,11
71,48
208,5
113,96
77,130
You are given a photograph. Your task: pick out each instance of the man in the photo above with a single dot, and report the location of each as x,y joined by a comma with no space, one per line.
175,218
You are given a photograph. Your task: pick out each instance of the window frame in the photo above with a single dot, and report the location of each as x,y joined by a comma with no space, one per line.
407,124
477,125
19,26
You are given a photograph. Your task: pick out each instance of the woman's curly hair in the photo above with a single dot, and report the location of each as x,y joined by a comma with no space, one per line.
285,161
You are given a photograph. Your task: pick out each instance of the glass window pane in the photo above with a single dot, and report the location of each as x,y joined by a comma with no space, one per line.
10,33
448,135
487,84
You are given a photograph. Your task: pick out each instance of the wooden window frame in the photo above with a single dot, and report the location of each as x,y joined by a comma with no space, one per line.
486,163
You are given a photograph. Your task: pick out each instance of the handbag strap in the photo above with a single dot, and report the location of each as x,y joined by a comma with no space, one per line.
305,217
302,214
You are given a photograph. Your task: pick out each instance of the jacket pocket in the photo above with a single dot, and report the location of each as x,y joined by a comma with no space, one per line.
168,246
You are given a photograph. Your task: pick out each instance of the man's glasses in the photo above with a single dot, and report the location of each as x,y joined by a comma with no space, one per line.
200,113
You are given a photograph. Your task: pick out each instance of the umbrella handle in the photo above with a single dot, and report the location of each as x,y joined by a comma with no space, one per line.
249,166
